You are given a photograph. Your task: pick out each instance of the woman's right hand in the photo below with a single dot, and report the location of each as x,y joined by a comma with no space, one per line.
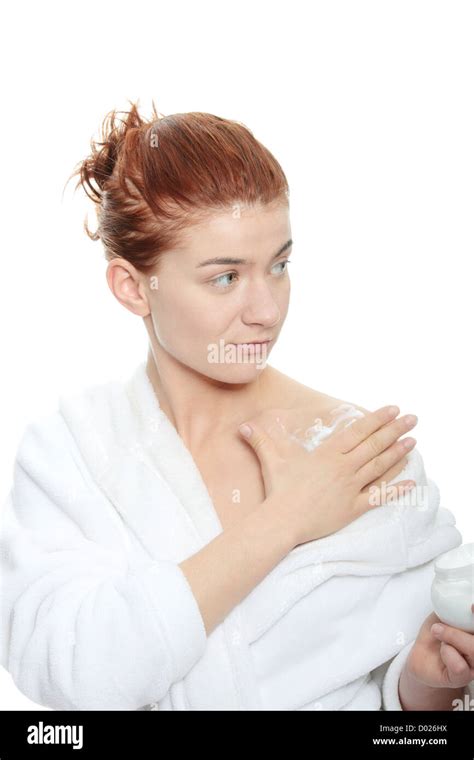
320,491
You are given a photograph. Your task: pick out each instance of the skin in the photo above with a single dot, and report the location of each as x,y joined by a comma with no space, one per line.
186,308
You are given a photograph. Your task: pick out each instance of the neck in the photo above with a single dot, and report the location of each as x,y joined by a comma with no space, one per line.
200,407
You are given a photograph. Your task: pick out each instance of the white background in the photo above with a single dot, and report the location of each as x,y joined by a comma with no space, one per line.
369,108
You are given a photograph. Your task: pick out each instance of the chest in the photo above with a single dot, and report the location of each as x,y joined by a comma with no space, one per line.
232,475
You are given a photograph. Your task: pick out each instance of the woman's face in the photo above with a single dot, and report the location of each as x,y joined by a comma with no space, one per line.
204,311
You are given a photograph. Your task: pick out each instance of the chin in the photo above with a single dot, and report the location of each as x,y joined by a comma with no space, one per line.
236,373
225,368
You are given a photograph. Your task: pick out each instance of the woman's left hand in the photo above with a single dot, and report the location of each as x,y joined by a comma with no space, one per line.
445,660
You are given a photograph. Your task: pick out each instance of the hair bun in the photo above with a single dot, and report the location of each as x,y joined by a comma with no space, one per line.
95,171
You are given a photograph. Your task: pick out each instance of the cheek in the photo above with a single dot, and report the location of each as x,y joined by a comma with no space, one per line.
189,322
283,301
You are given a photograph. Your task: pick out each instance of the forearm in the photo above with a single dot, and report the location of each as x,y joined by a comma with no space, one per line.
416,696
232,564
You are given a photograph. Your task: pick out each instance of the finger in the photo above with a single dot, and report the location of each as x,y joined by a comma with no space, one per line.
381,440
257,437
397,469
376,497
377,467
461,640
351,436
457,667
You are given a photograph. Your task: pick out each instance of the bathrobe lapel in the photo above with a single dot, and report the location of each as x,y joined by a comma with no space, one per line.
140,462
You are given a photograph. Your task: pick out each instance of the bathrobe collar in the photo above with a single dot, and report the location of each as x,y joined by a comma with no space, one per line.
129,444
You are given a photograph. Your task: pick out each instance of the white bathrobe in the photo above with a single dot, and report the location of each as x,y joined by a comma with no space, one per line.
97,614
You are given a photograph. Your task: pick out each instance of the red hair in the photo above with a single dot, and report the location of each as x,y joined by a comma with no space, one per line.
150,179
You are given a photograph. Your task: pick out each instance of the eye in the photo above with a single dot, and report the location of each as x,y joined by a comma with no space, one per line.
280,263
221,284
221,277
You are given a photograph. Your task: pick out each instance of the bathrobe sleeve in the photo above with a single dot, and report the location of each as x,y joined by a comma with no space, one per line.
390,674
81,630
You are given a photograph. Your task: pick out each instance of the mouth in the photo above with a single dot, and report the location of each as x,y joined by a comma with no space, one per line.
253,343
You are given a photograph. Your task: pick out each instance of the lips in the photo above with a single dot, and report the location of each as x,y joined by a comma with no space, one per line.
253,343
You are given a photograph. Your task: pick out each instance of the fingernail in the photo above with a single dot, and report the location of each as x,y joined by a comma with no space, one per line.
246,430
437,629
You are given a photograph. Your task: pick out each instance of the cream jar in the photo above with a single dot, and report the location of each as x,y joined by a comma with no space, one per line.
452,590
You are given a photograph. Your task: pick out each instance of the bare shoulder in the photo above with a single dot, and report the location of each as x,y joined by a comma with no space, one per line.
303,403
294,395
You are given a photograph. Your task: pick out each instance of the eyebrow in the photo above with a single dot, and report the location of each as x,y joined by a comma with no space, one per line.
231,260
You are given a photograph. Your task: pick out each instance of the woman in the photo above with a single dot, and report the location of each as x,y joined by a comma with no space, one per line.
157,554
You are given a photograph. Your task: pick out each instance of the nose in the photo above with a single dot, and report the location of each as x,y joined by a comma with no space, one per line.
260,306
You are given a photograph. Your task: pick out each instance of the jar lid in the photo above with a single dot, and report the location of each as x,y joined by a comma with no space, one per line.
456,563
